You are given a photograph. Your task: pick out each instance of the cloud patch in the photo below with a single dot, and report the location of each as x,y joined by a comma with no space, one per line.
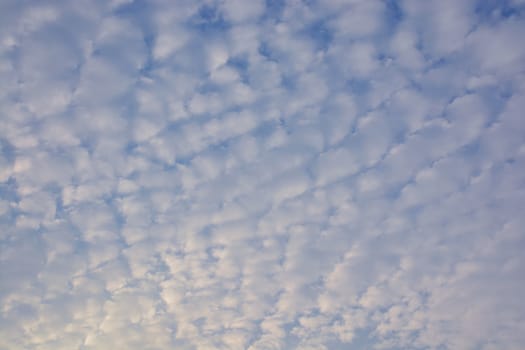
262,175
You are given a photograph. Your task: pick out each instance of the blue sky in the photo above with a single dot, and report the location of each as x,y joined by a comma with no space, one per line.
280,174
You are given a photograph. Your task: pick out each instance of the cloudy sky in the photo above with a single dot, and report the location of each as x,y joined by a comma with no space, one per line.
250,174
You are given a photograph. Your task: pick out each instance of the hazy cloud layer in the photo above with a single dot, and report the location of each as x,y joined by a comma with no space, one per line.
279,174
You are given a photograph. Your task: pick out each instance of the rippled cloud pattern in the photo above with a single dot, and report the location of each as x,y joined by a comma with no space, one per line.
250,174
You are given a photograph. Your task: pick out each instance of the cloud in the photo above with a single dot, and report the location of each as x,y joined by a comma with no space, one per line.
262,175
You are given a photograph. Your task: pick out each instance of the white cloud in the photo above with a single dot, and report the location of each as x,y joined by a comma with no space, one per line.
240,11
262,175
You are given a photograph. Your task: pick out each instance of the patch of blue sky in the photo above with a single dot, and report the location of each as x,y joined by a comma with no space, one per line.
209,21
320,34
274,9
491,10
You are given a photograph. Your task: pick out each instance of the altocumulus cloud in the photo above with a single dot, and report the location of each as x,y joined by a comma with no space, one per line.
279,174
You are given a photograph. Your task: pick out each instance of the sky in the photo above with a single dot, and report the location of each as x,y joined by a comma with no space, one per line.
262,175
